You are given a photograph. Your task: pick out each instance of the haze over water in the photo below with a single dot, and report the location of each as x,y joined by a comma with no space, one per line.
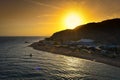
16,64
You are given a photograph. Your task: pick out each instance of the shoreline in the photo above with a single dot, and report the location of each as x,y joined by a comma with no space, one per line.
79,54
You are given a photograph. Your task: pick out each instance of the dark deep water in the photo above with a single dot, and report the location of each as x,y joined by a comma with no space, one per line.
16,64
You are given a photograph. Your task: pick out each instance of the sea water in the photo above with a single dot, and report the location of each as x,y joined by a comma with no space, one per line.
17,64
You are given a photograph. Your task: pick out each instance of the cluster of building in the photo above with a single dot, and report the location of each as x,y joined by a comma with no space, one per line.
89,45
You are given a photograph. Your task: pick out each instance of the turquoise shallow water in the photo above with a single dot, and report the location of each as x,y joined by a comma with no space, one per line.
16,64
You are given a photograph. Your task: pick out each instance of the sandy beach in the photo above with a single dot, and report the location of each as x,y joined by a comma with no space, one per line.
80,54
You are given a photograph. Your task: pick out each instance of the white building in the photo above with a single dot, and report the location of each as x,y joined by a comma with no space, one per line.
85,42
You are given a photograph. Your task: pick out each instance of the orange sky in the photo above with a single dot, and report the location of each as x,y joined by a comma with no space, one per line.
44,17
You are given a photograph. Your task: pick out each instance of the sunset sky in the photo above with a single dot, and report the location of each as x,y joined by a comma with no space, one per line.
44,17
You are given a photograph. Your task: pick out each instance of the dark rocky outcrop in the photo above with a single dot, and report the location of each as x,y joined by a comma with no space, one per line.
107,31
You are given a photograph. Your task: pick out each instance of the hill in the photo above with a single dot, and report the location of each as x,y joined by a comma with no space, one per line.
107,31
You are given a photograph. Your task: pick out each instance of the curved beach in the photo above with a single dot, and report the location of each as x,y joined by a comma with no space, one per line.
80,54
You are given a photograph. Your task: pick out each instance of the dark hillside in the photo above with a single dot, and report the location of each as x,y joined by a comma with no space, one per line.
107,31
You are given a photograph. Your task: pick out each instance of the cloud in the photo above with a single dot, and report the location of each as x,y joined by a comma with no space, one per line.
47,15
46,23
43,4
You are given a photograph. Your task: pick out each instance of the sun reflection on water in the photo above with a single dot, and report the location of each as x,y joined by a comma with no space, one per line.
73,63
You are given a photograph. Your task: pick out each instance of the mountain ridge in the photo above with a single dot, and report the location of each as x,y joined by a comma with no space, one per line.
106,31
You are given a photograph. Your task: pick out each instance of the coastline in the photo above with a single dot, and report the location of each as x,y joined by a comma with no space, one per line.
79,54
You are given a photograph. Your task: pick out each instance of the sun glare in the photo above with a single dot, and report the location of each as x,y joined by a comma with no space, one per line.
72,20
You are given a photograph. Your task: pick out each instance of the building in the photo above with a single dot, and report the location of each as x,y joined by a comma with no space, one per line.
87,42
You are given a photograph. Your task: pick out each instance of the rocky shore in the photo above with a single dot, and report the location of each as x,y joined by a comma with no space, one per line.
75,53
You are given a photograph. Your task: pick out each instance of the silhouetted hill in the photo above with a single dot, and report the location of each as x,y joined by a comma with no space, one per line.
107,31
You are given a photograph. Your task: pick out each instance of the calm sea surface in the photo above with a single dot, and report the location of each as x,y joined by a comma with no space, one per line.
16,64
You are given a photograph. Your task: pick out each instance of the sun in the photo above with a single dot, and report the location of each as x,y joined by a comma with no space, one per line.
72,20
